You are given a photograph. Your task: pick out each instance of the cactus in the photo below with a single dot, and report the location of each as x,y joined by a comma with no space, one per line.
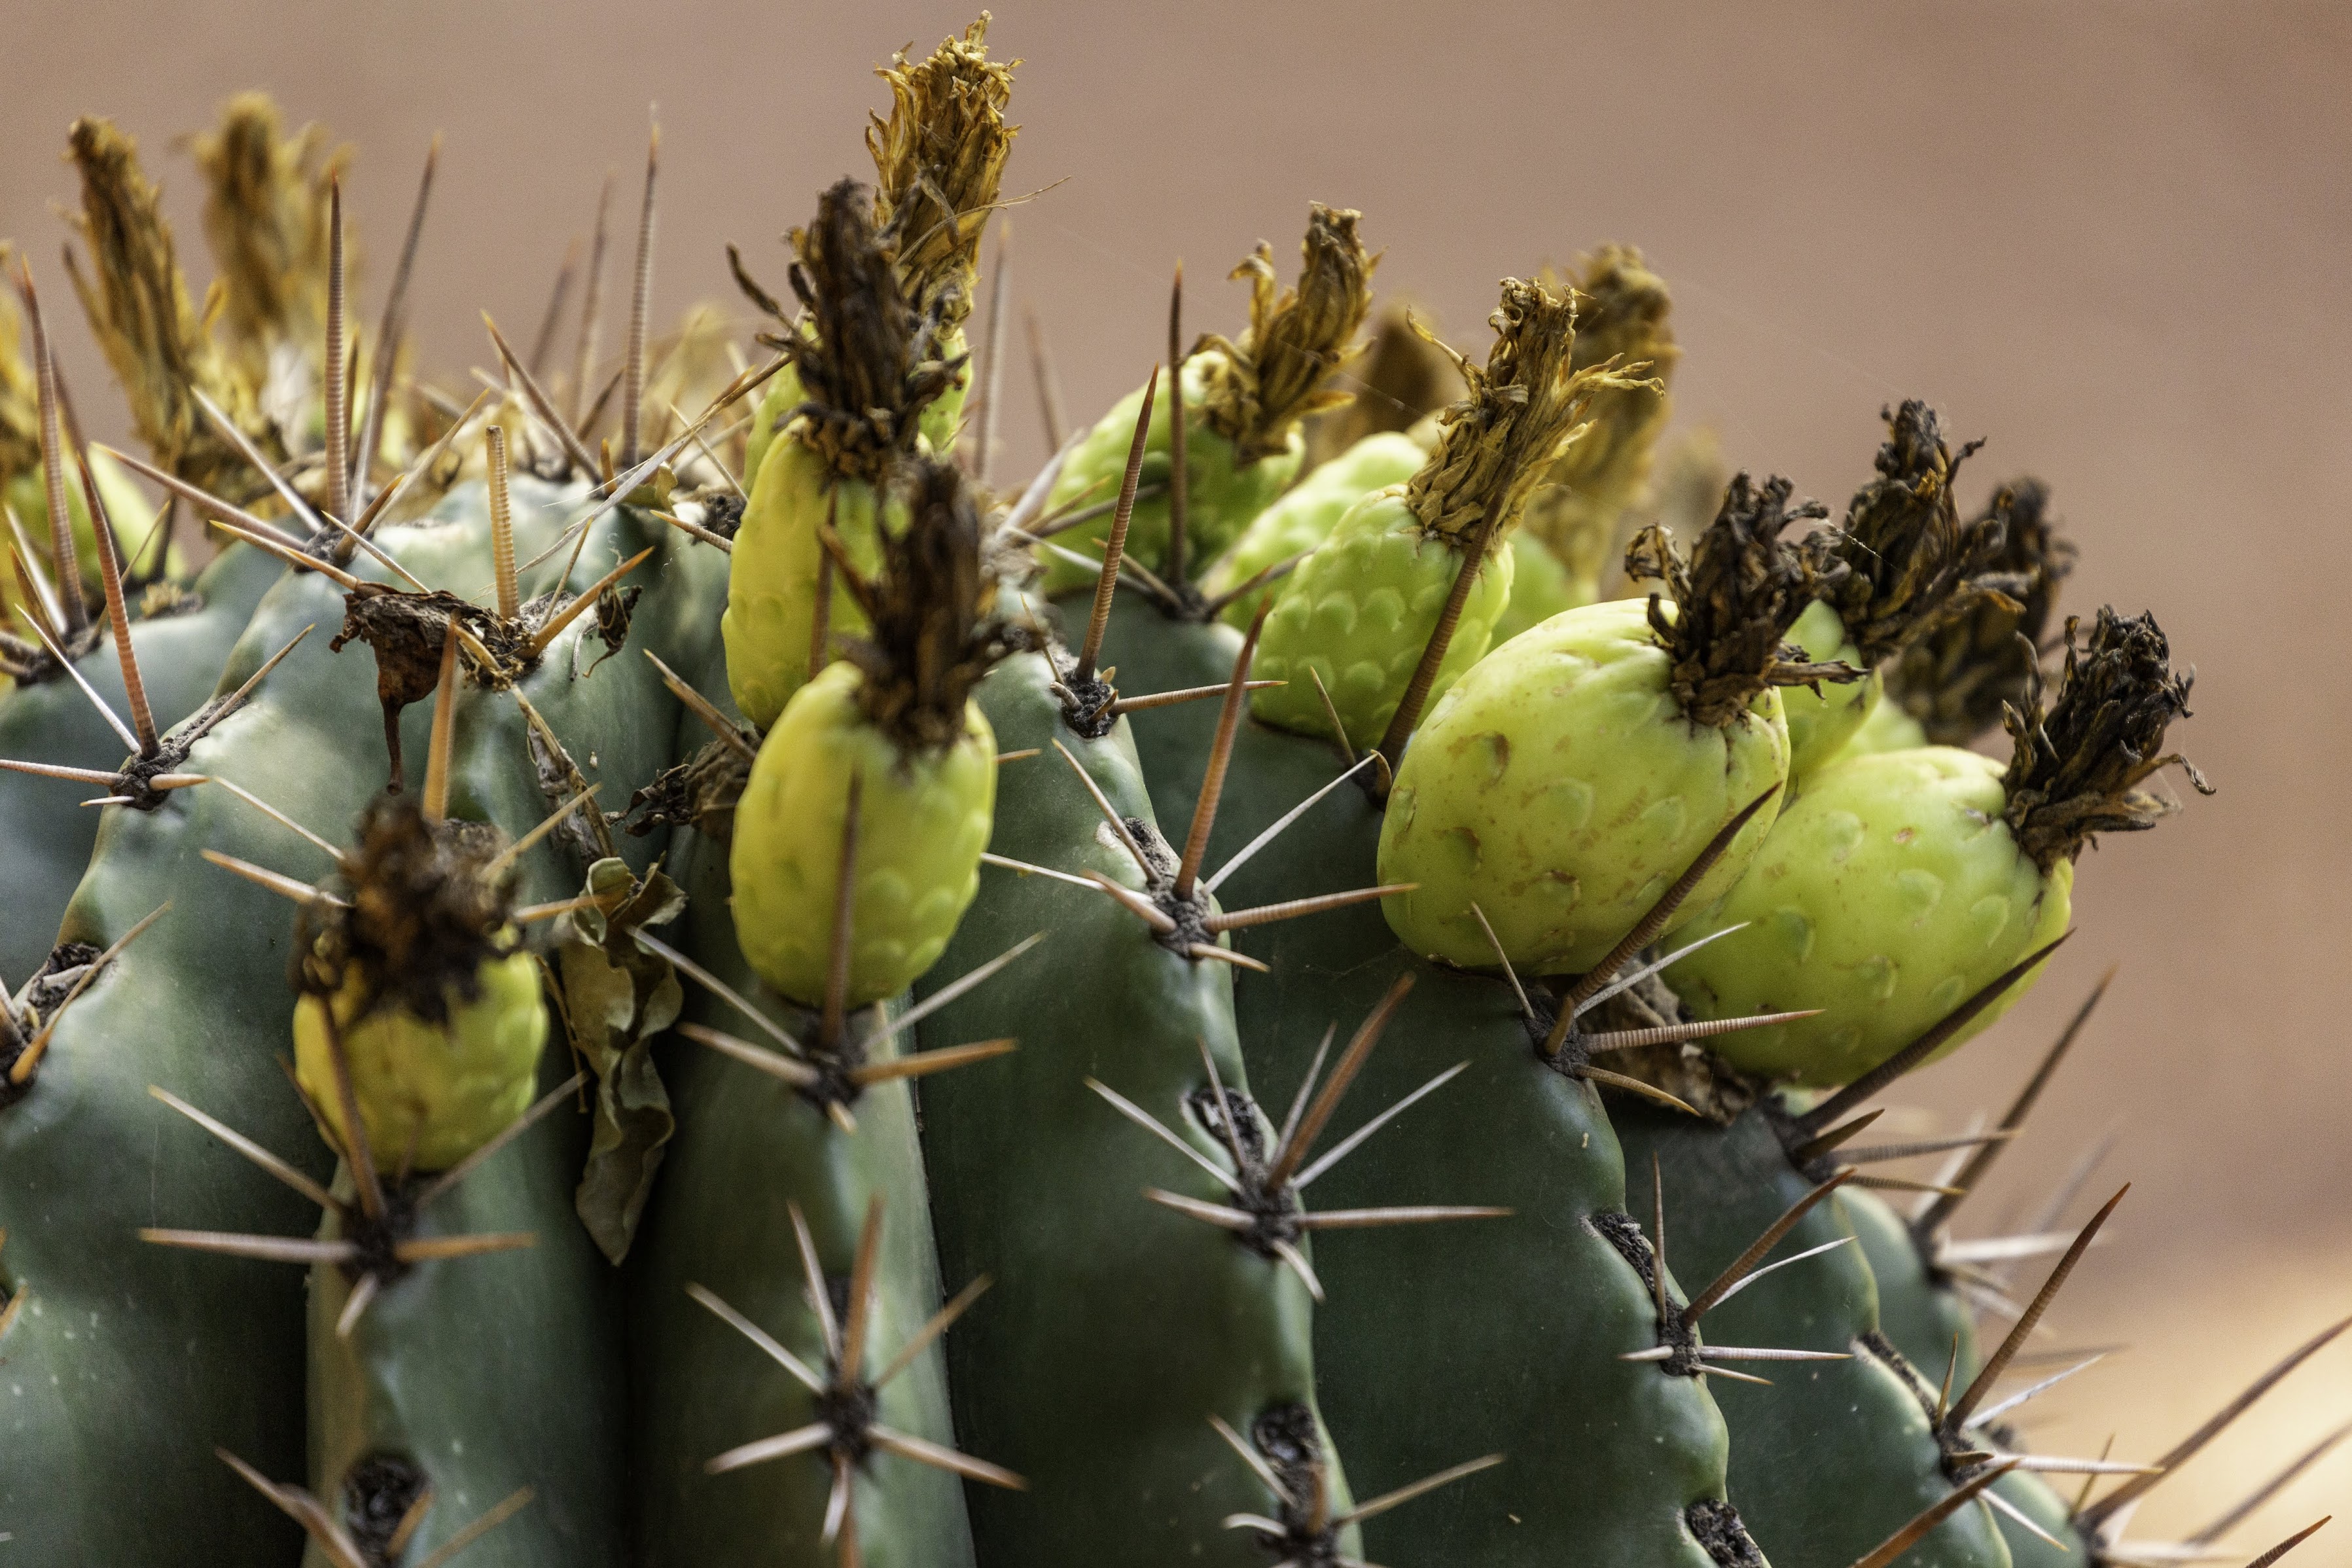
957,1091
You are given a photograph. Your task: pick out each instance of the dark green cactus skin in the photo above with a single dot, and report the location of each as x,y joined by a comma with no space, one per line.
495,1373
45,834
158,1354
1921,1316
1117,1328
1440,1342
1836,1455
748,1144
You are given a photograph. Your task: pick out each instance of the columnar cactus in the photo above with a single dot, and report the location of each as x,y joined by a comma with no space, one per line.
811,1005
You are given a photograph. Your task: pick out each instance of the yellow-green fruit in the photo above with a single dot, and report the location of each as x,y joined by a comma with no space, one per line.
1302,519
1220,497
1887,895
441,1090
783,394
1541,587
1821,724
942,414
1560,786
1360,611
1888,729
922,822
773,579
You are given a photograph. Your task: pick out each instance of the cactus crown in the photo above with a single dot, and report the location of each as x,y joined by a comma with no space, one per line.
1255,391
265,219
1957,680
2075,771
1735,595
867,371
937,162
933,634
138,306
1518,410
1911,563
423,911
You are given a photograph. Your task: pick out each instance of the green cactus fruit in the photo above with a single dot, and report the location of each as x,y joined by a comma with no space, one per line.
1887,728
1358,613
439,1021
1910,565
895,730
1302,519
1579,510
1954,681
1121,1327
1565,781
1899,883
1242,403
866,377
1827,1463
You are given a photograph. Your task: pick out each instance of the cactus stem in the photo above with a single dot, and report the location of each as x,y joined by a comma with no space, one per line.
820,1294
337,388
299,1506
799,1369
542,407
925,1063
2225,1523
554,626
1887,1552
278,816
515,851
1218,1214
1185,694
992,355
448,1180
909,1447
1295,1261
1115,547
1024,868
1177,477
2131,1491
1203,950
633,383
1301,1135
14,1309
1742,1266
1410,1214
1861,1089
110,571
1250,1456
53,473
799,1074
1142,908
1348,1144
1208,609
1405,1494
1242,856
301,892
705,709
1965,1407
249,1148
1924,1225
512,1504
20,1071
1049,387
389,335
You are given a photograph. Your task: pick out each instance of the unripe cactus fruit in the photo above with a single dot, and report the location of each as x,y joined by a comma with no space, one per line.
1897,884
1565,781
1302,520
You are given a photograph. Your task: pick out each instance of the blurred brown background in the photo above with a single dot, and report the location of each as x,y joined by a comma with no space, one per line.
2108,237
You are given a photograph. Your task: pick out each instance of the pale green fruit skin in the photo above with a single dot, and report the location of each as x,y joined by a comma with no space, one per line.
1302,519
1540,589
783,396
1888,729
1220,497
922,823
1820,727
1560,786
1887,895
939,417
772,578
441,1090
1360,611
